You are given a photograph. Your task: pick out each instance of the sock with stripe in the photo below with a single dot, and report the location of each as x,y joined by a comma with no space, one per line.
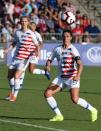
38,71
85,104
53,104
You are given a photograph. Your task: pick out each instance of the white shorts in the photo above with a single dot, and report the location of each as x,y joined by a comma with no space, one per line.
33,59
19,64
9,57
66,82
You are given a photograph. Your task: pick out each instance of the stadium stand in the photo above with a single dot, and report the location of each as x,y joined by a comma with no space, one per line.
46,14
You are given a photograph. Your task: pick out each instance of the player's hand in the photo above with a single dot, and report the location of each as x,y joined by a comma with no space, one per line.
47,68
77,77
6,51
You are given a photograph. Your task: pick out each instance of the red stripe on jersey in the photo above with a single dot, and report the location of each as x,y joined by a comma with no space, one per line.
27,40
69,70
69,75
69,66
69,63
22,56
29,37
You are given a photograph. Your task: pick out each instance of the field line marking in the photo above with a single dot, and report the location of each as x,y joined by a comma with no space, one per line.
31,125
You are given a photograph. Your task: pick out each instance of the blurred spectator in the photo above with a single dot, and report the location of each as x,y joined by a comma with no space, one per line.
34,6
78,32
78,16
63,25
42,24
6,34
34,17
52,3
5,18
71,8
50,24
18,9
93,30
2,9
27,9
9,8
85,39
46,14
60,2
25,12
85,21
55,17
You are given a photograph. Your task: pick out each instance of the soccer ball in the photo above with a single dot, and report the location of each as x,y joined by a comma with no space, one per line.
68,17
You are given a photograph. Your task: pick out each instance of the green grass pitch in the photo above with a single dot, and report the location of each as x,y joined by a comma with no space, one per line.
31,113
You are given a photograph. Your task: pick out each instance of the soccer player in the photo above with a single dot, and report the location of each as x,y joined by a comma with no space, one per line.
70,69
34,58
26,45
10,56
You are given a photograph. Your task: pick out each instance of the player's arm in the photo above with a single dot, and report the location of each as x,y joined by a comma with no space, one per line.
50,59
79,67
12,45
40,42
40,46
38,50
48,65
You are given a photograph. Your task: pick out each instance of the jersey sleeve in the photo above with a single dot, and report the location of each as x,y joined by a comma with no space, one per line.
34,39
39,38
53,55
75,52
16,39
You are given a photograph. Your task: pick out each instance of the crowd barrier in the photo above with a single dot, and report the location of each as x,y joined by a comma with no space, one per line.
90,53
57,37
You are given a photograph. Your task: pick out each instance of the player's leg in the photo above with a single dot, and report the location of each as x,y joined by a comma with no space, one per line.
82,102
50,91
21,66
34,70
11,83
17,76
11,73
22,79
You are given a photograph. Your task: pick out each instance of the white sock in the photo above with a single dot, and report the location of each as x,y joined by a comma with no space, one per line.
53,104
85,104
16,87
16,93
22,79
11,84
38,71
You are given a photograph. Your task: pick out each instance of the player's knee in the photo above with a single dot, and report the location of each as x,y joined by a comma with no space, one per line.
47,93
17,76
30,71
9,77
75,100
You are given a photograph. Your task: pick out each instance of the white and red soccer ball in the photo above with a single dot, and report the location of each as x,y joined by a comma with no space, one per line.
68,17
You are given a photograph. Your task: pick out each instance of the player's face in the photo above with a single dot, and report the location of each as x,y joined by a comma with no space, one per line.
33,27
67,38
24,22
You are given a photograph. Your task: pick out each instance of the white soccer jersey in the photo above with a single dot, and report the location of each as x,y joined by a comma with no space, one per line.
10,56
66,60
38,36
26,44
34,59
